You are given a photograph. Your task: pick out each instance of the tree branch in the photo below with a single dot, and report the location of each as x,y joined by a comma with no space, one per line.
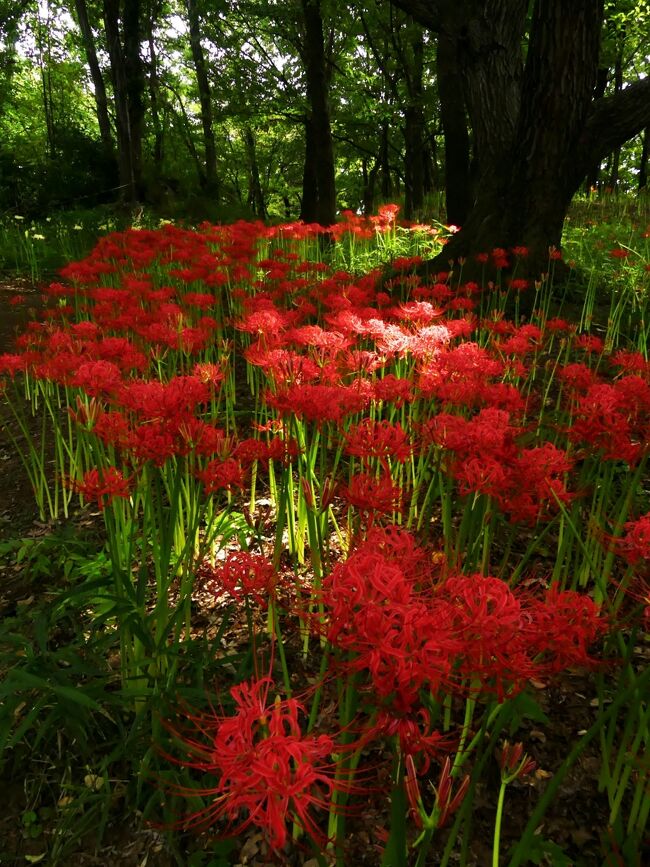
425,12
614,120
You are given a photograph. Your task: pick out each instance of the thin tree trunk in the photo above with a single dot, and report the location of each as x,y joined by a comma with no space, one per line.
135,86
414,132
255,193
384,164
44,62
593,176
99,86
643,164
616,154
127,176
154,90
205,99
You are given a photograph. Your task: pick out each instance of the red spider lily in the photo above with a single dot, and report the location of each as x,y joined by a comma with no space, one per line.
269,773
489,620
241,575
321,403
103,486
446,802
155,441
98,378
11,363
514,762
392,389
634,546
630,362
614,419
174,400
113,429
590,343
202,438
221,475
369,494
577,376
378,439
557,325
562,628
414,733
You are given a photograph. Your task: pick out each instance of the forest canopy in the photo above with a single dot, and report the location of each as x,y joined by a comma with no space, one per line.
302,108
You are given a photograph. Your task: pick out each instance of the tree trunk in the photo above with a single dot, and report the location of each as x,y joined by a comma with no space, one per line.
593,175
643,164
414,130
537,130
319,113
369,183
154,92
309,200
454,127
384,160
205,99
618,87
135,86
127,77
255,193
99,87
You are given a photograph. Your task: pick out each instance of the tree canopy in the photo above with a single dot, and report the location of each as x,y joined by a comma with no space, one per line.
281,109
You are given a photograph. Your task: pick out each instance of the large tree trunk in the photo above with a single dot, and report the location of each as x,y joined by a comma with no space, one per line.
537,130
454,128
205,99
319,149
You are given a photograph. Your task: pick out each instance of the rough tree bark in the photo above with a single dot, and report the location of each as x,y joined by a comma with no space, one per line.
537,130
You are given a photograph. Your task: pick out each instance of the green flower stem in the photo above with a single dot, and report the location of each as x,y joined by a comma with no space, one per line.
497,823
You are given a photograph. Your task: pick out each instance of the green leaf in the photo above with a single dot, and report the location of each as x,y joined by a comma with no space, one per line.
526,707
546,852
25,680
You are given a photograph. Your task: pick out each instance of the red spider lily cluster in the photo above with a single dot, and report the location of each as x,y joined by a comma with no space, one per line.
198,366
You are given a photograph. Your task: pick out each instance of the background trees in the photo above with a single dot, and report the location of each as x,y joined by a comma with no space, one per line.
306,107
